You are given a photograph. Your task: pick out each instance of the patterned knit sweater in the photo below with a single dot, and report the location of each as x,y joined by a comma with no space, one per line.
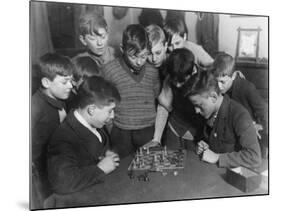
137,108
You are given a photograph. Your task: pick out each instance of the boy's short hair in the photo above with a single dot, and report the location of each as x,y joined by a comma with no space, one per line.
96,90
175,26
155,35
85,67
150,16
134,39
223,65
180,64
90,23
52,64
200,83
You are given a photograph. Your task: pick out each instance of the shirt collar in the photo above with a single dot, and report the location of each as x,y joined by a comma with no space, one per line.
86,124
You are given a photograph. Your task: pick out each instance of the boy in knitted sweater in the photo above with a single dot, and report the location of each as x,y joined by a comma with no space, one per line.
139,85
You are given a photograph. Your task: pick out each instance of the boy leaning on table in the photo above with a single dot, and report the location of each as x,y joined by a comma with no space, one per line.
230,138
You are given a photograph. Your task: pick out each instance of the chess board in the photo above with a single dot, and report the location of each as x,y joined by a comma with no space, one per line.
157,160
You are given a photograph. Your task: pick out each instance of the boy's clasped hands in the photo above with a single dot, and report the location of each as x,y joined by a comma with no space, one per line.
109,162
206,154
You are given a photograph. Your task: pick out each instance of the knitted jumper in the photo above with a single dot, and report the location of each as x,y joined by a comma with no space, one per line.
137,108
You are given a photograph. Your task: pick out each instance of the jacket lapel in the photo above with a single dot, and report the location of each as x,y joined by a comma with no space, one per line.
88,140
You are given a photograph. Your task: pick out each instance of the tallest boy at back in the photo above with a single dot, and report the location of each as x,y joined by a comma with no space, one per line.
93,34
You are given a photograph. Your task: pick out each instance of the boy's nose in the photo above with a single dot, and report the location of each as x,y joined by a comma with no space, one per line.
154,58
197,110
70,85
99,42
112,115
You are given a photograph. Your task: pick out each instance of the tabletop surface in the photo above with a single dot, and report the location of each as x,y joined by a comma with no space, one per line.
197,180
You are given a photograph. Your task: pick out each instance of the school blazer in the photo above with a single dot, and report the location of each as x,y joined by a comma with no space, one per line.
73,154
233,136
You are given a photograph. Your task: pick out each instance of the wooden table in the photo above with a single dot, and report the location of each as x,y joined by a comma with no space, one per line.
197,180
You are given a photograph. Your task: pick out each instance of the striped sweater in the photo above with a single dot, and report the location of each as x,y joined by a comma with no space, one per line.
137,108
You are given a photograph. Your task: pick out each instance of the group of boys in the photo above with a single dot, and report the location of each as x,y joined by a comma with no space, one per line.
153,94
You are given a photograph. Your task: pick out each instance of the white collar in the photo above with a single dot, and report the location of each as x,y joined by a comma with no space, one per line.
87,125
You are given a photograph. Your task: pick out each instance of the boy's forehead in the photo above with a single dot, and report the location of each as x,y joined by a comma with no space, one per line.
99,32
141,53
158,46
198,98
64,77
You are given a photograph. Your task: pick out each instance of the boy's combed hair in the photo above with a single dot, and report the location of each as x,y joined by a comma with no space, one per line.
180,64
201,82
175,26
223,65
52,64
155,35
151,16
85,67
134,39
96,90
90,23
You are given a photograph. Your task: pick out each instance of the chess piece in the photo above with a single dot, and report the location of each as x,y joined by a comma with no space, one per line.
164,173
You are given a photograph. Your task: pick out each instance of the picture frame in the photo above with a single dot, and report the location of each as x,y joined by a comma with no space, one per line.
248,44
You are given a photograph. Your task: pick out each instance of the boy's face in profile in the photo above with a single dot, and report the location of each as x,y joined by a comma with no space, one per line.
225,83
157,54
137,61
60,87
177,42
97,43
102,115
204,104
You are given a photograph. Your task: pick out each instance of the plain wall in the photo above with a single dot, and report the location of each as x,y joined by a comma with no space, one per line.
228,34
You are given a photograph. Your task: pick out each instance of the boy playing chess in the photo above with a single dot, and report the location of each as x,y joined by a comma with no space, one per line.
230,136
79,155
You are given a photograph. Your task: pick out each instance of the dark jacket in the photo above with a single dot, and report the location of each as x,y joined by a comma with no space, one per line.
73,155
44,121
234,136
245,92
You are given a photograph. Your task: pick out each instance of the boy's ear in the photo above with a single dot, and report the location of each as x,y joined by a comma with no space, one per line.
214,96
45,82
121,48
91,109
82,40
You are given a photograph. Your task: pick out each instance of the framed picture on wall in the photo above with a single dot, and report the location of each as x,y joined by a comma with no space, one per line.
248,44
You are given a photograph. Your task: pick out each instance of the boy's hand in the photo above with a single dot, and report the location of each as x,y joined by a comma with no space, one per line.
258,128
109,162
109,153
201,147
152,143
210,156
